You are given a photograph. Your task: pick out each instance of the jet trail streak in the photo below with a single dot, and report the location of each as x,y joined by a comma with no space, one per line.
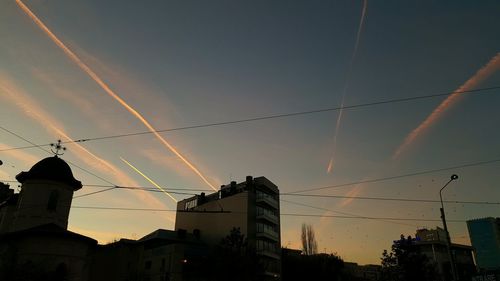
149,179
491,67
344,91
107,89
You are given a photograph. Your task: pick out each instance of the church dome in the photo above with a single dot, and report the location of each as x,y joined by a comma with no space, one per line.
51,168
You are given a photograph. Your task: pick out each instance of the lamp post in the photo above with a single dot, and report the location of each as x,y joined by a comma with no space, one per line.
448,240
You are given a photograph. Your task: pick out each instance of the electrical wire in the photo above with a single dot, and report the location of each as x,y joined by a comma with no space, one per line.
284,115
392,199
342,213
480,163
299,193
282,214
69,162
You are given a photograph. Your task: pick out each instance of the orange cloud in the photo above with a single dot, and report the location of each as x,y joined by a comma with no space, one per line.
491,67
352,193
23,156
86,106
73,57
10,92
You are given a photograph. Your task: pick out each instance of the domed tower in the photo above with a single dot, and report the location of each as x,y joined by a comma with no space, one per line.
46,194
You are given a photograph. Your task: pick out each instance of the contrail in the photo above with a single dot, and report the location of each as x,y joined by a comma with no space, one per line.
344,91
107,89
150,180
483,73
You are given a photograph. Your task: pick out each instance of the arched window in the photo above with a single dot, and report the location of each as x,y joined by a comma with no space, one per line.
53,198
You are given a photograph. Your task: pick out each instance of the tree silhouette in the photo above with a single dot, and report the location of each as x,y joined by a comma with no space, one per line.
406,263
309,244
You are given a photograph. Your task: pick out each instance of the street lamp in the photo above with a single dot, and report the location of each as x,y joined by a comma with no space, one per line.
448,240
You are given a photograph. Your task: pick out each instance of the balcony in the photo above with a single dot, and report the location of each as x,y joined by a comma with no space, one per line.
268,217
269,200
269,254
269,234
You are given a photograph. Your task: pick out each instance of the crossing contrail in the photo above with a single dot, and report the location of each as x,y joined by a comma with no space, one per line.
482,74
149,179
346,85
72,56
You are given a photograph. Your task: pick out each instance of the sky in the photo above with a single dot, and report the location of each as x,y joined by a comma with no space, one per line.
73,70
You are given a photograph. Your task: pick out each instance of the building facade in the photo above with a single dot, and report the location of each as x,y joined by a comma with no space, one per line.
34,241
251,206
432,243
485,238
425,234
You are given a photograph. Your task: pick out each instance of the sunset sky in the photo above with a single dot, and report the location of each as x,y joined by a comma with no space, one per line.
74,70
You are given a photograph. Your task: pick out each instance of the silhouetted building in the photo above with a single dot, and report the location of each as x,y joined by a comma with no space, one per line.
252,206
369,272
169,255
34,240
8,207
485,238
116,261
159,256
432,243
425,234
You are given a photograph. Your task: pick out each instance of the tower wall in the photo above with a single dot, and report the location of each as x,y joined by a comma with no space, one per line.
42,202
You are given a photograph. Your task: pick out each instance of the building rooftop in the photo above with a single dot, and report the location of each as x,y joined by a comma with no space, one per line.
47,230
234,188
51,168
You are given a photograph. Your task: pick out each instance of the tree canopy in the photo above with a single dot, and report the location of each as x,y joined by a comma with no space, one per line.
406,263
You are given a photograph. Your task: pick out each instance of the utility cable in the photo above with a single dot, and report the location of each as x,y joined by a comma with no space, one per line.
267,117
480,163
40,147
299,192
342,213
392,199
282,214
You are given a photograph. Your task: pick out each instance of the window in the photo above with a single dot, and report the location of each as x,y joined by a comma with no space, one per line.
264,195
267,228
264,211
53,198
267,246
191,204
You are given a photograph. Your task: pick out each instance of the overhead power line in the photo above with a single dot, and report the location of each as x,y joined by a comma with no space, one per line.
282,214
316,196
369,218
392,199
152,189
342,213
480,163
134,188
267,117
301,192
49,152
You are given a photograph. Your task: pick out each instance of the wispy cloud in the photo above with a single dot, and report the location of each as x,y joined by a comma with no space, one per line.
331,162
73,57
26,158
351,193
12,93
482,74
72,96
148,179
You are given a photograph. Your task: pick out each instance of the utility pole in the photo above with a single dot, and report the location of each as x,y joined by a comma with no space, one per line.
448,239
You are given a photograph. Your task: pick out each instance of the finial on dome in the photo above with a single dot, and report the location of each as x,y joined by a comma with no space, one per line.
58,147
